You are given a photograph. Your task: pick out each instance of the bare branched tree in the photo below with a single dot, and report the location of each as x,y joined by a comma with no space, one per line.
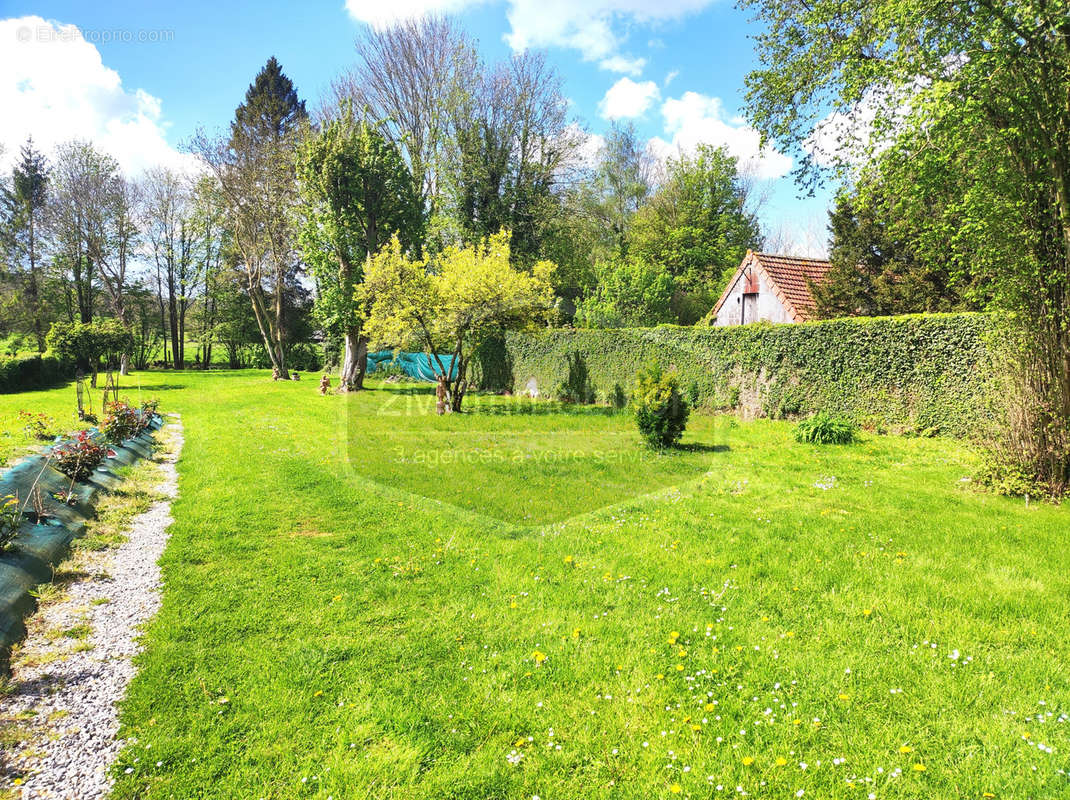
412,76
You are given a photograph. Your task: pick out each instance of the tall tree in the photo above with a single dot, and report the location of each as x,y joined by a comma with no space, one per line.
972,93
624,178
697,226
513,141
81,206
356,194
255,171
28,204
120,234
169,231
413,76
878,267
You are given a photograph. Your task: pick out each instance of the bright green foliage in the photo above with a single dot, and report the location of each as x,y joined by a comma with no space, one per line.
877,267
697,227
452,304
824,429
356,193
660,410
630,293
89,342
924,374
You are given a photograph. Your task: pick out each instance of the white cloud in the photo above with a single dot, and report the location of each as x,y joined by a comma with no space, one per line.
596,28
623,64
626,99
380,14
670,78
693,119
54,87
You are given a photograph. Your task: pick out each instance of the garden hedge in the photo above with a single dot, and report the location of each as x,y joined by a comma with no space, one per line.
918,373
33,372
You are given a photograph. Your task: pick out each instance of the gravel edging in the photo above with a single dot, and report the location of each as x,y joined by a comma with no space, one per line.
66,693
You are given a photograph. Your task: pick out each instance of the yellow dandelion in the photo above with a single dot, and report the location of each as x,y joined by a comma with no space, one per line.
781,761
679,667
867,612
682,653
748,760
673,636
319,693
918,768
696,727
514,604
659,677
844,696
676,788
906,749
569,559
710,707
539,656
575,633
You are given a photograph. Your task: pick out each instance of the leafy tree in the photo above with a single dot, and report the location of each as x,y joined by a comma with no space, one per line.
623,181
513,141
698,227
877,268
970,95
255,172
356,192
631,293
454,304
87,343
80,217
25,233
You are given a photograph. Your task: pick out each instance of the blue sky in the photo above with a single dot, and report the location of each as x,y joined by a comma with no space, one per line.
143,76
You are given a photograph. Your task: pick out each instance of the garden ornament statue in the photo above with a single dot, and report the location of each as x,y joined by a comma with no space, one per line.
296,376
325,383
274,373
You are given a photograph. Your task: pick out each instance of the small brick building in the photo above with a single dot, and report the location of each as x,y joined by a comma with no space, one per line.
769,288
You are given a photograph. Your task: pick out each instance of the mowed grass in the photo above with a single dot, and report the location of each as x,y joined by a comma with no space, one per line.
343,620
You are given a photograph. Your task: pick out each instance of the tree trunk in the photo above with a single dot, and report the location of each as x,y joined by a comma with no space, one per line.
124,364
362,361
352,372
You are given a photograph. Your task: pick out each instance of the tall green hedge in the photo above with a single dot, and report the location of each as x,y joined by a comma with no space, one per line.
32,372
918,373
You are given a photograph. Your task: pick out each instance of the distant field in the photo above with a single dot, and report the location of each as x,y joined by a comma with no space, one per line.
363,600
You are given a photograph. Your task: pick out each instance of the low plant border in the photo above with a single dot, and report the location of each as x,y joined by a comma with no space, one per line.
40,546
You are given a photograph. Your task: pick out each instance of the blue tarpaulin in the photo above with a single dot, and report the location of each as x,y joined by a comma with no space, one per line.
415,365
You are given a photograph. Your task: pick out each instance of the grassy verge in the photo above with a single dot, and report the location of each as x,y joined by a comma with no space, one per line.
753,615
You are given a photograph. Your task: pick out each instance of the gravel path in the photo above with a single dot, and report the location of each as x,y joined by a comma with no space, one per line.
65,689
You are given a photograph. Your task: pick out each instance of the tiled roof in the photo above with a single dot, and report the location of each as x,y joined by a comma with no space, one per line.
789,277
792,276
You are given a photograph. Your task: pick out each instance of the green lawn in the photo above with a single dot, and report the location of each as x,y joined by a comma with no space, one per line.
350,611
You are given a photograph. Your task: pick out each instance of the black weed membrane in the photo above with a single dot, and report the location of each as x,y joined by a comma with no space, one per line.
52,511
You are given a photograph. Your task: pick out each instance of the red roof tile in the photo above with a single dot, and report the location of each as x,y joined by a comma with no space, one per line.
793,276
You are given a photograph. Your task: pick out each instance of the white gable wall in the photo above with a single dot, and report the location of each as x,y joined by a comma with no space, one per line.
768,307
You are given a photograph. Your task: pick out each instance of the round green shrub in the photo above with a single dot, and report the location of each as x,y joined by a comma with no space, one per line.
660,410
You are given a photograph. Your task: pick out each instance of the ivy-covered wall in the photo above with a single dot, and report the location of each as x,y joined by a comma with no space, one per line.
918,373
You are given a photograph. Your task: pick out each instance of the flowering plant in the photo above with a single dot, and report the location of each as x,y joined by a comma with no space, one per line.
78,457
121,422
37,424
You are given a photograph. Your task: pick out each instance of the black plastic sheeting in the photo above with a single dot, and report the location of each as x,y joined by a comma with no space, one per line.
40,546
